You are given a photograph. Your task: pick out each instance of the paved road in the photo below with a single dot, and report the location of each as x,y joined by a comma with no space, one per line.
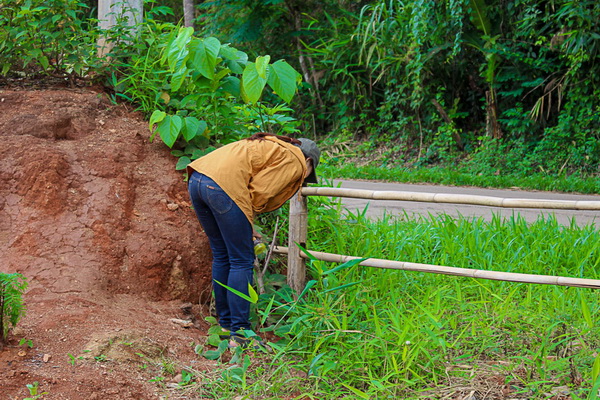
378,207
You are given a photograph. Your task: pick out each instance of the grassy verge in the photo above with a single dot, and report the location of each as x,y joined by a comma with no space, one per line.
366,333
457,177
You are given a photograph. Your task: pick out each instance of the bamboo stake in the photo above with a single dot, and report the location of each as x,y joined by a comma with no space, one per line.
452,198
466,272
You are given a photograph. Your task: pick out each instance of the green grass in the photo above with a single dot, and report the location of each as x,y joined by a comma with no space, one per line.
460,177
360,332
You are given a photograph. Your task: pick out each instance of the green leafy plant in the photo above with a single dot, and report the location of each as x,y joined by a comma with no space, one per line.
73,359
12,309
187,377
34,391
211,88
50,36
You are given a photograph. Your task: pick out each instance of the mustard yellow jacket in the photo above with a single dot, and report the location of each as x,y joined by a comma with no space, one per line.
258,175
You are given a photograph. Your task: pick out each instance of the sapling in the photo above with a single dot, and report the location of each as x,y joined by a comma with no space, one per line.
12,287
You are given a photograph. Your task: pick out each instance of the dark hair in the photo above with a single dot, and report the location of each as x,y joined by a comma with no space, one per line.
262,135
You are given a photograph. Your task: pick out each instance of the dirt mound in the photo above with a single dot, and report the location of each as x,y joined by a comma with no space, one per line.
99,222
89,204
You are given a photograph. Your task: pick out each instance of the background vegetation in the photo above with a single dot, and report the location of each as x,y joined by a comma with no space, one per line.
504,85
495,86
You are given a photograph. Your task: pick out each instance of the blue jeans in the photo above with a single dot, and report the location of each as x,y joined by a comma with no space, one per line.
230,235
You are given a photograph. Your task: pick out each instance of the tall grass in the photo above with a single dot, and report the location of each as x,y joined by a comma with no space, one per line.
393,333
360,332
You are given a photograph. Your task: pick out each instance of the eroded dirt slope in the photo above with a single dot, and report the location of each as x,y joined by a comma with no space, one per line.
98,220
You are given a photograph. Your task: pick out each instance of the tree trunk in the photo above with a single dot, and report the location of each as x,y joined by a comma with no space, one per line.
128,13
308,71
493,127
188,13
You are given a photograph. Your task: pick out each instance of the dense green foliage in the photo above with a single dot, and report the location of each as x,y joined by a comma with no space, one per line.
495,85
464,177
440,80
213,93
49,36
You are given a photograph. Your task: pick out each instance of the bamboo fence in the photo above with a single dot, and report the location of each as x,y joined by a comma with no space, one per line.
452,198
466,272
298,231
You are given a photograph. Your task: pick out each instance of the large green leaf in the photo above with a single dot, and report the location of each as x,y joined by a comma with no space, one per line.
204,56
252,84
234,59
169,129
231,85
262,65
283,79
182,163
228,53
156,117
479,16
192,128
234,66
178,50
178,77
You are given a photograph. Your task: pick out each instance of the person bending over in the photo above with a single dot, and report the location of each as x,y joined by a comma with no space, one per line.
228,188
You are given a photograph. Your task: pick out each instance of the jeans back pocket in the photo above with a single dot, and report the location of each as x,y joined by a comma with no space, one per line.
218,200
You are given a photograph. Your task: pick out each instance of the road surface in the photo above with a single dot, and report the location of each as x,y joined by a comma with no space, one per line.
376,208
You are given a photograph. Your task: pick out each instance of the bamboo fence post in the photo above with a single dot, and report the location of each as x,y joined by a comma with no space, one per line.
296,276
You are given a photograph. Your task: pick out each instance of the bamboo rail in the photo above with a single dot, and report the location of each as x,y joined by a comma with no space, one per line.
466,272
298,228
452,198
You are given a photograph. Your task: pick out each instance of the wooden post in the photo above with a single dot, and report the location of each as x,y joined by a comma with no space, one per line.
296,276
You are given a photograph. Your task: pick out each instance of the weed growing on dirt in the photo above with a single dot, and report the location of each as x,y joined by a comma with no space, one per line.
73,359
34,391
12,309
26,342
